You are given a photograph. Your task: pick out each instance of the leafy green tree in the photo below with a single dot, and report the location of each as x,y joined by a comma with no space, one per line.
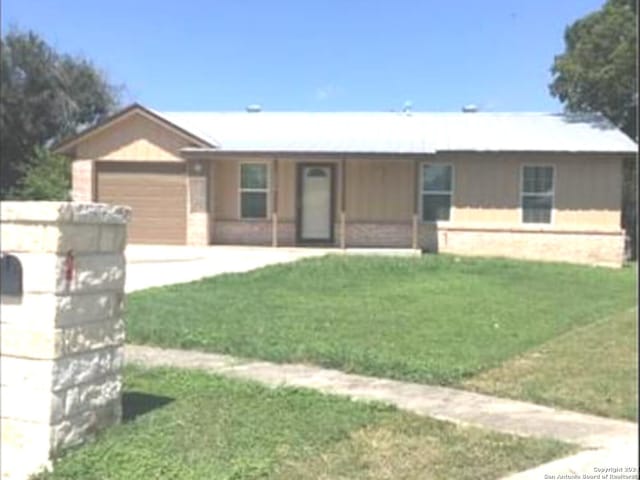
597,73
45,96
47,177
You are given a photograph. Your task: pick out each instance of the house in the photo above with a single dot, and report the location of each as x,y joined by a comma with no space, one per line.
526,185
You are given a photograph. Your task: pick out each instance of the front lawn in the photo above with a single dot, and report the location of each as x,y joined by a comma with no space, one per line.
593,368
208,427
435,319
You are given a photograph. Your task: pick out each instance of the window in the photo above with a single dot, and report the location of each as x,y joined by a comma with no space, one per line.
537,194
316,172
436,188
254,188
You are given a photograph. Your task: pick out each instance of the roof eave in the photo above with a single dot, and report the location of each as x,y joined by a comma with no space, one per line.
256,151
65,145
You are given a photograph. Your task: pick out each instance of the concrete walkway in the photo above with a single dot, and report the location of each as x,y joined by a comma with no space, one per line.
158,265
611,443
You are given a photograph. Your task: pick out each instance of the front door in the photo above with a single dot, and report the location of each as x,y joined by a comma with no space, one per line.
315,200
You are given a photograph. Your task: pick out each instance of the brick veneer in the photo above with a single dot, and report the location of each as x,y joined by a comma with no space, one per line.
252,233
585,247
82,180
396,235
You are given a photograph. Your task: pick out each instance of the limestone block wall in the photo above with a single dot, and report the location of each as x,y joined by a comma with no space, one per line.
62,339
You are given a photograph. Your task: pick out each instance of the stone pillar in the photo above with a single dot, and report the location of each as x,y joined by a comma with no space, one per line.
62,336
198,202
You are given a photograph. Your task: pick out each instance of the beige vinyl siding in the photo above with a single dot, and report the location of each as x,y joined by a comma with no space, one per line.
156,192
588,188
486,188
376,190
380,189
226,182
589,191
286,187
133,138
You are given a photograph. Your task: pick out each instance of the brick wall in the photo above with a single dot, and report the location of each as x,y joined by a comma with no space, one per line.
587,247
396,235
82,180
226,232
241,233
198,228
593,248
252,233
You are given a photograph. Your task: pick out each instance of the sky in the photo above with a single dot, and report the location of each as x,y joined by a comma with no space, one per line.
314,55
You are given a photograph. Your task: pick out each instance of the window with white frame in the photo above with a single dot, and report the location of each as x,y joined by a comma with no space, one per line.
254,190
537,194
436,189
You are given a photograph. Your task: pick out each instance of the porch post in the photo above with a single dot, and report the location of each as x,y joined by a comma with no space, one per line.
197,202
274,204
416,199
343,203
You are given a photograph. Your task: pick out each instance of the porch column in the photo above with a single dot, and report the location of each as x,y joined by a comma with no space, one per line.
197,202
343,203
416,198
274,204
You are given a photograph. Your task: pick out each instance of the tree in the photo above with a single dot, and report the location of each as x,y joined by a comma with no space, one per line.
597,73
48,177
45,96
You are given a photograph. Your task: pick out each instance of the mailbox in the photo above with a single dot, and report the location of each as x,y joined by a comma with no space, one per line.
10,276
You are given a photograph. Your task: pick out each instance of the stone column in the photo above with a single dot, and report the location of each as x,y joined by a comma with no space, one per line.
198,202
62,333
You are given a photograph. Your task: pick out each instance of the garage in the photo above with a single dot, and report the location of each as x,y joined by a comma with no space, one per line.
156,192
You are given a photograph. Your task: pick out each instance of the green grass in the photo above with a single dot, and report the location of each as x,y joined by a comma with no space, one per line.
435,319
592,368
216,428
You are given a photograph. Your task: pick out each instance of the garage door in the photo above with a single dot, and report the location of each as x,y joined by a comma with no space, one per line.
157,194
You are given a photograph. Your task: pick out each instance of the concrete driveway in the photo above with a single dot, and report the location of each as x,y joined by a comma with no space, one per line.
157,265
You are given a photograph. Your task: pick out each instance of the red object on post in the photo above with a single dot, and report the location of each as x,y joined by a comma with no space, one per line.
69,267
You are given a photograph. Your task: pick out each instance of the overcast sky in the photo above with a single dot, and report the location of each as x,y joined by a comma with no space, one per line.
324,55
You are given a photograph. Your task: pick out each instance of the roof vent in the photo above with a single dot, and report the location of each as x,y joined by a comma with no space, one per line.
254,108
471,108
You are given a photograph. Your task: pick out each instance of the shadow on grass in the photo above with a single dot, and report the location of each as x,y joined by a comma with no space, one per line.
135,404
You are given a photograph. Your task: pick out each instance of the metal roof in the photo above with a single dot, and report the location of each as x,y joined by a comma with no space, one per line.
399,132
